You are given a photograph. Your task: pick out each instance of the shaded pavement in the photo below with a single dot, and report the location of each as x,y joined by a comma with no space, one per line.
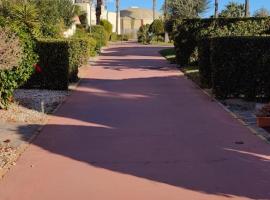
137,129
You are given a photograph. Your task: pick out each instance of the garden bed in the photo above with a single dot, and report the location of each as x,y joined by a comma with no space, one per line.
21,121
243,110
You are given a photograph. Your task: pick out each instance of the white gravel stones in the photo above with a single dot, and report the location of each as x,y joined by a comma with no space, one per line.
31,106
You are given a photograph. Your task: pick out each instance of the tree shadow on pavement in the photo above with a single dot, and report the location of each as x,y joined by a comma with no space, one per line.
157,129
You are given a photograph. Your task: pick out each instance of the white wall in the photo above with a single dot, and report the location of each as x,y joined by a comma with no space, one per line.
110,16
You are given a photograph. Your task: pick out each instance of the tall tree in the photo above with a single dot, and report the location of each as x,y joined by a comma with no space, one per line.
233,9
247,13
216,8
263,12
165,9
154,9
98,11
117,4
179,9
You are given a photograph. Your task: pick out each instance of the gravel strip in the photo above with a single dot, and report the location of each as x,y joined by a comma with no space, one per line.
31,106
29,109
7,155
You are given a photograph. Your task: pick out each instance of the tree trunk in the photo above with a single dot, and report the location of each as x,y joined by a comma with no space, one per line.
98,11
216,8
117,2
247,13
154,9
166,38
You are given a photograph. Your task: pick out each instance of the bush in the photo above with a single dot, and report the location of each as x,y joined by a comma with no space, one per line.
240,67
114,37
59,60
157,27
205,63
120,37
123,37
107,26
12,77
91,42
11,51
191,31
100,35
144,35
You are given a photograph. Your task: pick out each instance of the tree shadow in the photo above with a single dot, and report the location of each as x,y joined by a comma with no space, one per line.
134,127
159,128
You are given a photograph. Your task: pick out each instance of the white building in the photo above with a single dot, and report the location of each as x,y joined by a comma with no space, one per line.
91,14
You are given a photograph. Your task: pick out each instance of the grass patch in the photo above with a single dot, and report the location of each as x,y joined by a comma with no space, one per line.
192,72
169,54
162,43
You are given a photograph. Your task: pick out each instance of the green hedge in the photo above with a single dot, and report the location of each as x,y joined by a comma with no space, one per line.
101,36
240,67
191,31
14,78
204,63
91,42
59,60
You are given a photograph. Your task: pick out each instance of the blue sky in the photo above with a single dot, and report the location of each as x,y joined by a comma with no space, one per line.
254,4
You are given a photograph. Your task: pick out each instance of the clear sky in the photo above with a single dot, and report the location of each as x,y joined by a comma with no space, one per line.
254,4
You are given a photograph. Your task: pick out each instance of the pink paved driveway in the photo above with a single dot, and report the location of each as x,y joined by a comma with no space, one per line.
137,129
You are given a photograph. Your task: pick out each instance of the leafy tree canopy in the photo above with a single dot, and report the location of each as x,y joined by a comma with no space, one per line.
263,12
178,9
233,9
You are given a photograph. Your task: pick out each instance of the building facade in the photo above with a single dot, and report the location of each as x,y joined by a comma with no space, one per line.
133,18
129,22
90,11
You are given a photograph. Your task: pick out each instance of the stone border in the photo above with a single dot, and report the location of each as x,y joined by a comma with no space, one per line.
261,133
24,146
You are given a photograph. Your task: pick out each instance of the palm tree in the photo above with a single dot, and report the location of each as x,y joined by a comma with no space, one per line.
98,10
154,9
117,4
247,14
216,8
26,13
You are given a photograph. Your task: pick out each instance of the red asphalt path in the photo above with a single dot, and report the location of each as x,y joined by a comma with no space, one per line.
137,129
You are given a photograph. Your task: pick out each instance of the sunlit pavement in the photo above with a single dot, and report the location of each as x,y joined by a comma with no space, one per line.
137,129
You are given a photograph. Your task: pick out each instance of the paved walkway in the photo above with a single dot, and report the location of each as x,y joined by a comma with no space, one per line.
135,129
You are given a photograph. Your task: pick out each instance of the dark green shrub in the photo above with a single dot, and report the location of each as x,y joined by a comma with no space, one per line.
205,63
59,60
191,31
124,37
115,37
157,28
240,67
83,19
10,79
143,34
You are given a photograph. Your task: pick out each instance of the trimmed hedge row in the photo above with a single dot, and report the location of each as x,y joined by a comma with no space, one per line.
239,67
59,60
191,31
204,63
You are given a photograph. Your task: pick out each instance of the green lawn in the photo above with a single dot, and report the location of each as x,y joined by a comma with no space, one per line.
162,43
169,54
191,72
